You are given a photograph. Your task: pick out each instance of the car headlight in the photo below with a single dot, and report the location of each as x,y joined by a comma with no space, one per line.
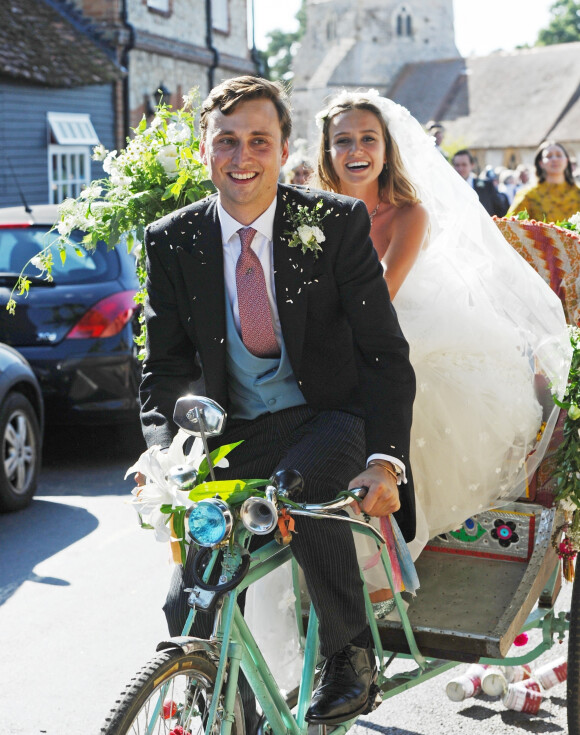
209,522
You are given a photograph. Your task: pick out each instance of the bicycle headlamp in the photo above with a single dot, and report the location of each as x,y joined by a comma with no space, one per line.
209,521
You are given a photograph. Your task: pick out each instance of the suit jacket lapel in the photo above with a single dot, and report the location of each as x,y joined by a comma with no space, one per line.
292,272
203,271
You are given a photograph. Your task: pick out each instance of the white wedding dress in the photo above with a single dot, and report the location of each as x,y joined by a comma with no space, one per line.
476,415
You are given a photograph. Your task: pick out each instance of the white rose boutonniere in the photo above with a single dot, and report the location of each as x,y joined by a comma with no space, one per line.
306,233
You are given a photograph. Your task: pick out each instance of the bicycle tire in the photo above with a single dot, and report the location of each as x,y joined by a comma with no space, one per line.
573,683
185,681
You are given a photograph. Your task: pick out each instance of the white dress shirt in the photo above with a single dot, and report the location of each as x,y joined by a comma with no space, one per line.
262,245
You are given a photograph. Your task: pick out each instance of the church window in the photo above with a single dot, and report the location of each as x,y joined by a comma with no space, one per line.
404,22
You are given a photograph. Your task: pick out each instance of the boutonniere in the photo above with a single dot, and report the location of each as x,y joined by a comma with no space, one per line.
306,231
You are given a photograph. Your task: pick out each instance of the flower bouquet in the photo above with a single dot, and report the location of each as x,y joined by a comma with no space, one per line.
162,501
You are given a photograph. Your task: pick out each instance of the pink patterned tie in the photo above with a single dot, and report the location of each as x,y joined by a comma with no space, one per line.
255,315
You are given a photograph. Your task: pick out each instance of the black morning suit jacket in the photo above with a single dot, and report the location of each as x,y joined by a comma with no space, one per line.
493,200
340,329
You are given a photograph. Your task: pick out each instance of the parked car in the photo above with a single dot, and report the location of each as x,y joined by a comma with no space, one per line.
77,330
21,427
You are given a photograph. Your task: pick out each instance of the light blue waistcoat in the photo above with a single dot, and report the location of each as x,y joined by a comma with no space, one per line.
257,385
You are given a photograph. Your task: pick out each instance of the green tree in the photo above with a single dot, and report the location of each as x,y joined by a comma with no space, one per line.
564,24
282,45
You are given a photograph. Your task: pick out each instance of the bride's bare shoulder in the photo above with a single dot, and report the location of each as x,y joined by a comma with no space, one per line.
411,216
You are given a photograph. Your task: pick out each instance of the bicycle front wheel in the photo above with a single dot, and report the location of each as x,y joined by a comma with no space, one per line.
171,695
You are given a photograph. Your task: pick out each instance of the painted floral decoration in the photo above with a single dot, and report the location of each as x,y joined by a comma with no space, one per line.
504,532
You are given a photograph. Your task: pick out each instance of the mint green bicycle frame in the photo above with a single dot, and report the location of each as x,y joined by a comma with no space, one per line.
238,647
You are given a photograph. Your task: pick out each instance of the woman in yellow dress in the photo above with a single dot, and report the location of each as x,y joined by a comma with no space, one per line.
555,197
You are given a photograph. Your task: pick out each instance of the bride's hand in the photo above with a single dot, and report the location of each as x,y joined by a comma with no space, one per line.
383,495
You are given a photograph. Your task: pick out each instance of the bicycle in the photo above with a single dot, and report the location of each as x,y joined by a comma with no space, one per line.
191,685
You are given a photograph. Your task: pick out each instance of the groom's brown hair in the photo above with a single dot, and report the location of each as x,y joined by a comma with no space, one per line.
230,93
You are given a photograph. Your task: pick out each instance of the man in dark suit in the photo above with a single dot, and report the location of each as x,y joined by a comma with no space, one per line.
492,200
309,360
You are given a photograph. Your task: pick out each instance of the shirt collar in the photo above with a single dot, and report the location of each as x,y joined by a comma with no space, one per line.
264,224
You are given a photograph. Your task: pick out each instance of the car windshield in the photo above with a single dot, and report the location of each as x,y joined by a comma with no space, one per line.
18,245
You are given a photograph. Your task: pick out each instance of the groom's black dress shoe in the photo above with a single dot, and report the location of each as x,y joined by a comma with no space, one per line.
346,686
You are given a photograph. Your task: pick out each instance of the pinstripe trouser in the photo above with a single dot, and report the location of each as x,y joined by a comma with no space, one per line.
328,449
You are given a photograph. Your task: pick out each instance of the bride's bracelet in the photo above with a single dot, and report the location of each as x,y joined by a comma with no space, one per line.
385,465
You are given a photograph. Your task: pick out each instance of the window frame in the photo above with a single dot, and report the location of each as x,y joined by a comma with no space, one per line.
160,7
225,28
59,187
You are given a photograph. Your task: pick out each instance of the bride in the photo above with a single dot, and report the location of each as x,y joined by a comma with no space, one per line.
487,335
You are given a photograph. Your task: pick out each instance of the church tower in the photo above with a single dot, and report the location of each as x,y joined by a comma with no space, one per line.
364,43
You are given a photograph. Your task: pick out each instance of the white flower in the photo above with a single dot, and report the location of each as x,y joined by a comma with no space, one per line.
155,465
156,122
167,157
318,234
120,180
99,152
575,220
178,132
91,192
66,226
109,162
38,263
306,233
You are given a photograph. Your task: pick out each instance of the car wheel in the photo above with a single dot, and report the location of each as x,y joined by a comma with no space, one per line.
21,452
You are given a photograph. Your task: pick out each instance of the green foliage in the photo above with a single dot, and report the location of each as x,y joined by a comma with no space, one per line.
564,26
281,48
567,459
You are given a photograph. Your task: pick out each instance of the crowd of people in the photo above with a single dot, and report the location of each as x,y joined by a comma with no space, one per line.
548,189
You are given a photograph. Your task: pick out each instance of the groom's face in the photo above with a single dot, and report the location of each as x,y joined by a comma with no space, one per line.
244,152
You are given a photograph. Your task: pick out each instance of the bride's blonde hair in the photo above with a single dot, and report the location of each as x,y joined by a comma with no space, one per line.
394,182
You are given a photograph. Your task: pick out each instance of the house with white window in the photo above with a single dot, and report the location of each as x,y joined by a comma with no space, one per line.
57,83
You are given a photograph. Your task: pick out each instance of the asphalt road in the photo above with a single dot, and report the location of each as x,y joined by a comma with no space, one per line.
81,589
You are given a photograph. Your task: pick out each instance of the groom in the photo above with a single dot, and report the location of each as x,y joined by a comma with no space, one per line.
304,351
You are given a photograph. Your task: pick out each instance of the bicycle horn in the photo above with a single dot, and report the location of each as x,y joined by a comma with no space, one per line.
260,515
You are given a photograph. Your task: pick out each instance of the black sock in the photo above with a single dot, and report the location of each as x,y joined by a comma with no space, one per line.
363,639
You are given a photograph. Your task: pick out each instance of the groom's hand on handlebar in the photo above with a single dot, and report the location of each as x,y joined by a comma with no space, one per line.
383,495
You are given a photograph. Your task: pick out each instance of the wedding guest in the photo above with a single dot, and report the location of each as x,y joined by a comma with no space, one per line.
464,163
507,184
523,176
555,196
437,131
300,172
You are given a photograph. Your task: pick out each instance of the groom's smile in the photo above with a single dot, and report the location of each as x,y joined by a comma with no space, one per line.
244,153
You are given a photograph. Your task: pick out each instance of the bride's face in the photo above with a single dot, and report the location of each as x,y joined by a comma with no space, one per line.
357,147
